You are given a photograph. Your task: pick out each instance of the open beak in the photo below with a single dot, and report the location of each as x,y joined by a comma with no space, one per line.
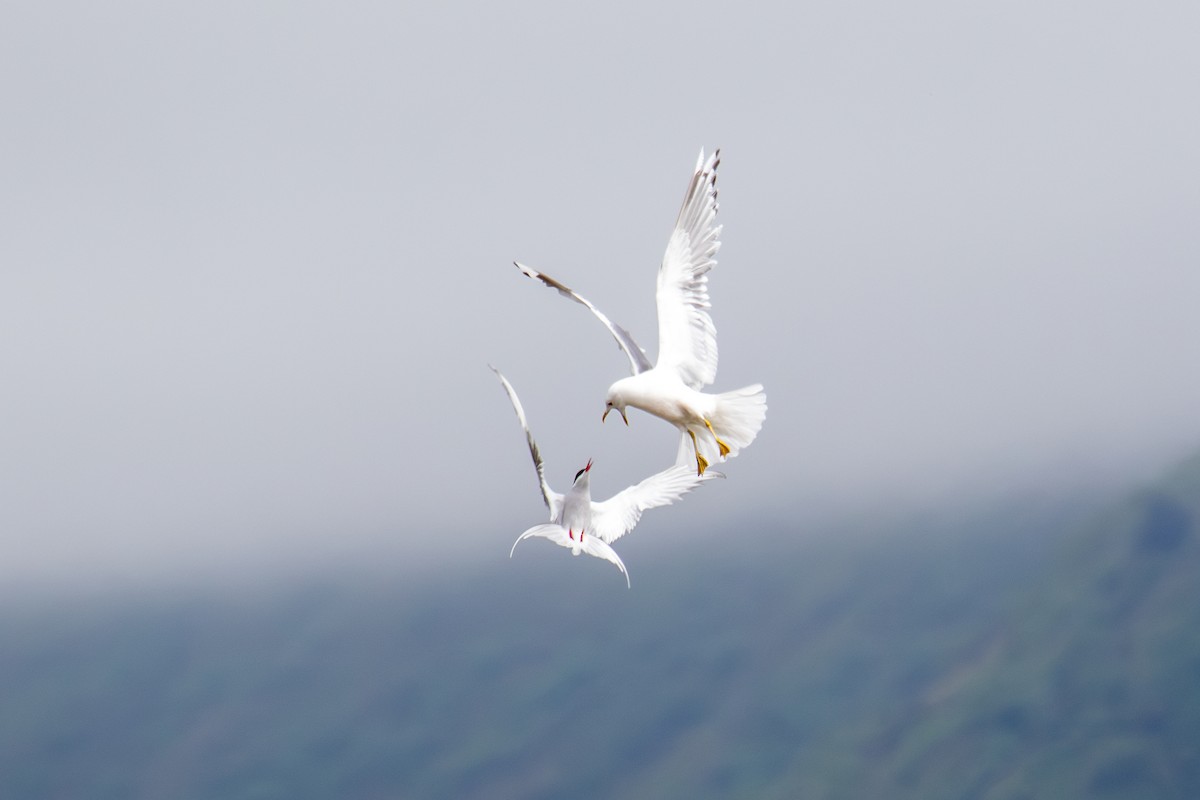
619,410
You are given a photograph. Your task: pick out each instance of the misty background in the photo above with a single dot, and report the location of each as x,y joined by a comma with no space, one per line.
256,258
258,484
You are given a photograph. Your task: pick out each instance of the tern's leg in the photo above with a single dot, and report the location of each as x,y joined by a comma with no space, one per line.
701,461
724,448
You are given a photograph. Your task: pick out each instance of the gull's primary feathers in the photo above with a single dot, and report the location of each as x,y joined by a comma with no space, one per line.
719,425
590,527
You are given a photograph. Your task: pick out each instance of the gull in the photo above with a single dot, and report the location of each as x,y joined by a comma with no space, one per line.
719,425
585,526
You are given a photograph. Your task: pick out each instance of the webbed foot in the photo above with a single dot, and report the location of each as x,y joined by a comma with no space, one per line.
701,461
724,448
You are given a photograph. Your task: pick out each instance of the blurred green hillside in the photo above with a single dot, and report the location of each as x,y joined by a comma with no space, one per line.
1037,647
1090,687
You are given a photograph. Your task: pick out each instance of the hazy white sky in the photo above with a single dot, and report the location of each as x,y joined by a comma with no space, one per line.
255,258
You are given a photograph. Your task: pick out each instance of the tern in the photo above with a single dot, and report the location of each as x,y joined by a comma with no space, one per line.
719,425
585,526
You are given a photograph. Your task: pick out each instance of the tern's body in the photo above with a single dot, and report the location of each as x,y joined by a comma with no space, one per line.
718,425
585,526
576,514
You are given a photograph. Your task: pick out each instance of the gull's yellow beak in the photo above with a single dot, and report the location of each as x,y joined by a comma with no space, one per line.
621,411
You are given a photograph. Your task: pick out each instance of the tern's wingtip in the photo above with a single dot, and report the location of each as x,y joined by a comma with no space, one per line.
514,547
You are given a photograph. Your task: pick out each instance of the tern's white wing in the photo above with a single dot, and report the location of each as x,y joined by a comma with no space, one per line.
618,515
637,356
590,544
687,340
554,500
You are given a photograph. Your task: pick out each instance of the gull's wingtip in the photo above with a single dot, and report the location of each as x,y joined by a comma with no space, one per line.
709,163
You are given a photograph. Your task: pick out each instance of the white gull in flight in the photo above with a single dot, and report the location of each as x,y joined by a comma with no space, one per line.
719,425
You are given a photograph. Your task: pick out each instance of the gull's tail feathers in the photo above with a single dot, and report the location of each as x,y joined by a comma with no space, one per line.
737,417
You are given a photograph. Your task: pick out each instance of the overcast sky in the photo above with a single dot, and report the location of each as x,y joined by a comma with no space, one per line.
256,257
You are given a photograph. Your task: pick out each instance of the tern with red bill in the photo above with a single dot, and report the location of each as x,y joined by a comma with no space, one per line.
719,425
585,526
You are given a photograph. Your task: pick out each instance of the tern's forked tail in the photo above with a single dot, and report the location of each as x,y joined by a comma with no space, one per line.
576,542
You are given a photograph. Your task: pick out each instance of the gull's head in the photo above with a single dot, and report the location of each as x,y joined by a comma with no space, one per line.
615,401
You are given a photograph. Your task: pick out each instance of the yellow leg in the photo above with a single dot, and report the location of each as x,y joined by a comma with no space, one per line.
701,461
724,448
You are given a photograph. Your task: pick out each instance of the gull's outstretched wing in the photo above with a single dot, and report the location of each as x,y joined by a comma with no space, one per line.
618,515
637,356
553,499
687,339
588,543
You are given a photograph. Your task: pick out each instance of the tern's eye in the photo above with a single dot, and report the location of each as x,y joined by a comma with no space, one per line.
577,474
